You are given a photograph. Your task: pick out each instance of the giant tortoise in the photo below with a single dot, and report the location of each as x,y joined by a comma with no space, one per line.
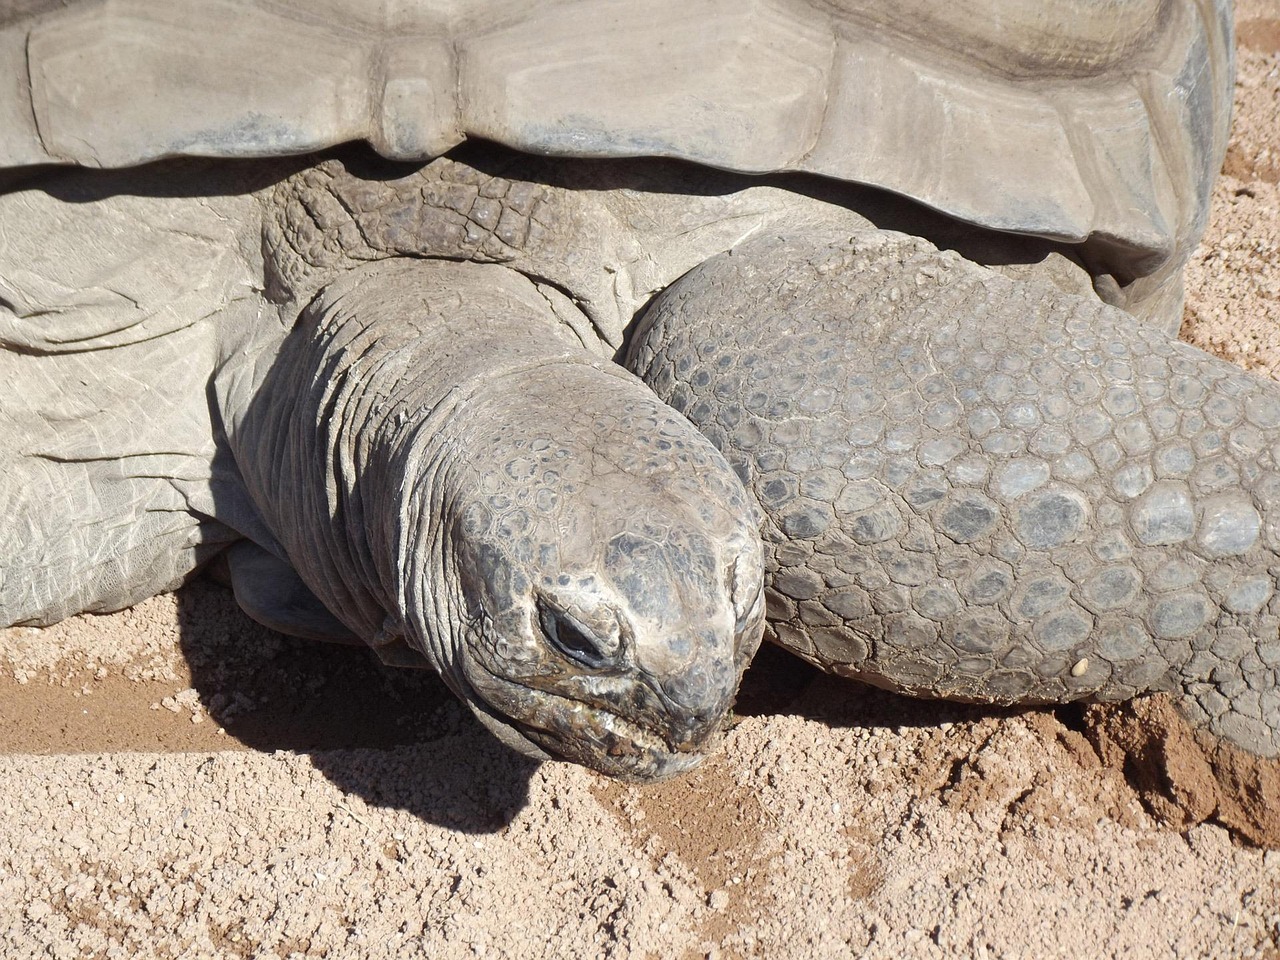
913,268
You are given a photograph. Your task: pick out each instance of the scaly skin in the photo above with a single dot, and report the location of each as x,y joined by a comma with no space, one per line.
983,489
448,469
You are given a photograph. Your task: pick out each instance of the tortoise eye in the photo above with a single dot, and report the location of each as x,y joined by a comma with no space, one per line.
572,639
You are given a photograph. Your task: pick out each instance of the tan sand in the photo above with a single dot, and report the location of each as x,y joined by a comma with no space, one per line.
178,782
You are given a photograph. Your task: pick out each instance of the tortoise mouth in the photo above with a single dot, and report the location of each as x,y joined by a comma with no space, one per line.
548,724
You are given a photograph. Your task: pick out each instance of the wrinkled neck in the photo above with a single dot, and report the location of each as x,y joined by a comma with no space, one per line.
348,445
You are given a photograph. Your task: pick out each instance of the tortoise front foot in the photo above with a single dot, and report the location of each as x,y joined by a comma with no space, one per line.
985,489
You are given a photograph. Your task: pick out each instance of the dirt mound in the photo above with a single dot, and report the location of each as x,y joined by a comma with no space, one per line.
1184,777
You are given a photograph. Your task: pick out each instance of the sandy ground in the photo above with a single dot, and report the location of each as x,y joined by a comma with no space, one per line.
178,782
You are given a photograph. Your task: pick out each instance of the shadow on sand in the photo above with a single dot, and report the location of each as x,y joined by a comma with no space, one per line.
779,683
400,738
395,738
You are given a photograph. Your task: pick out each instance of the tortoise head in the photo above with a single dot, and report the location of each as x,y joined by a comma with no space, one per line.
603,576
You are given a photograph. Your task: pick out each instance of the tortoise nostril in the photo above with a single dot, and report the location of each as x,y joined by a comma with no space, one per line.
573,640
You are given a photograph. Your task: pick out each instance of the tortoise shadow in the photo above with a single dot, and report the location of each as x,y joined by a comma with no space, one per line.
400,739
778,682
395,738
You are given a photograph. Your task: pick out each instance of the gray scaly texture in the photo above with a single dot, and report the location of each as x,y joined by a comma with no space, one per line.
598,239
114,296
983,489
